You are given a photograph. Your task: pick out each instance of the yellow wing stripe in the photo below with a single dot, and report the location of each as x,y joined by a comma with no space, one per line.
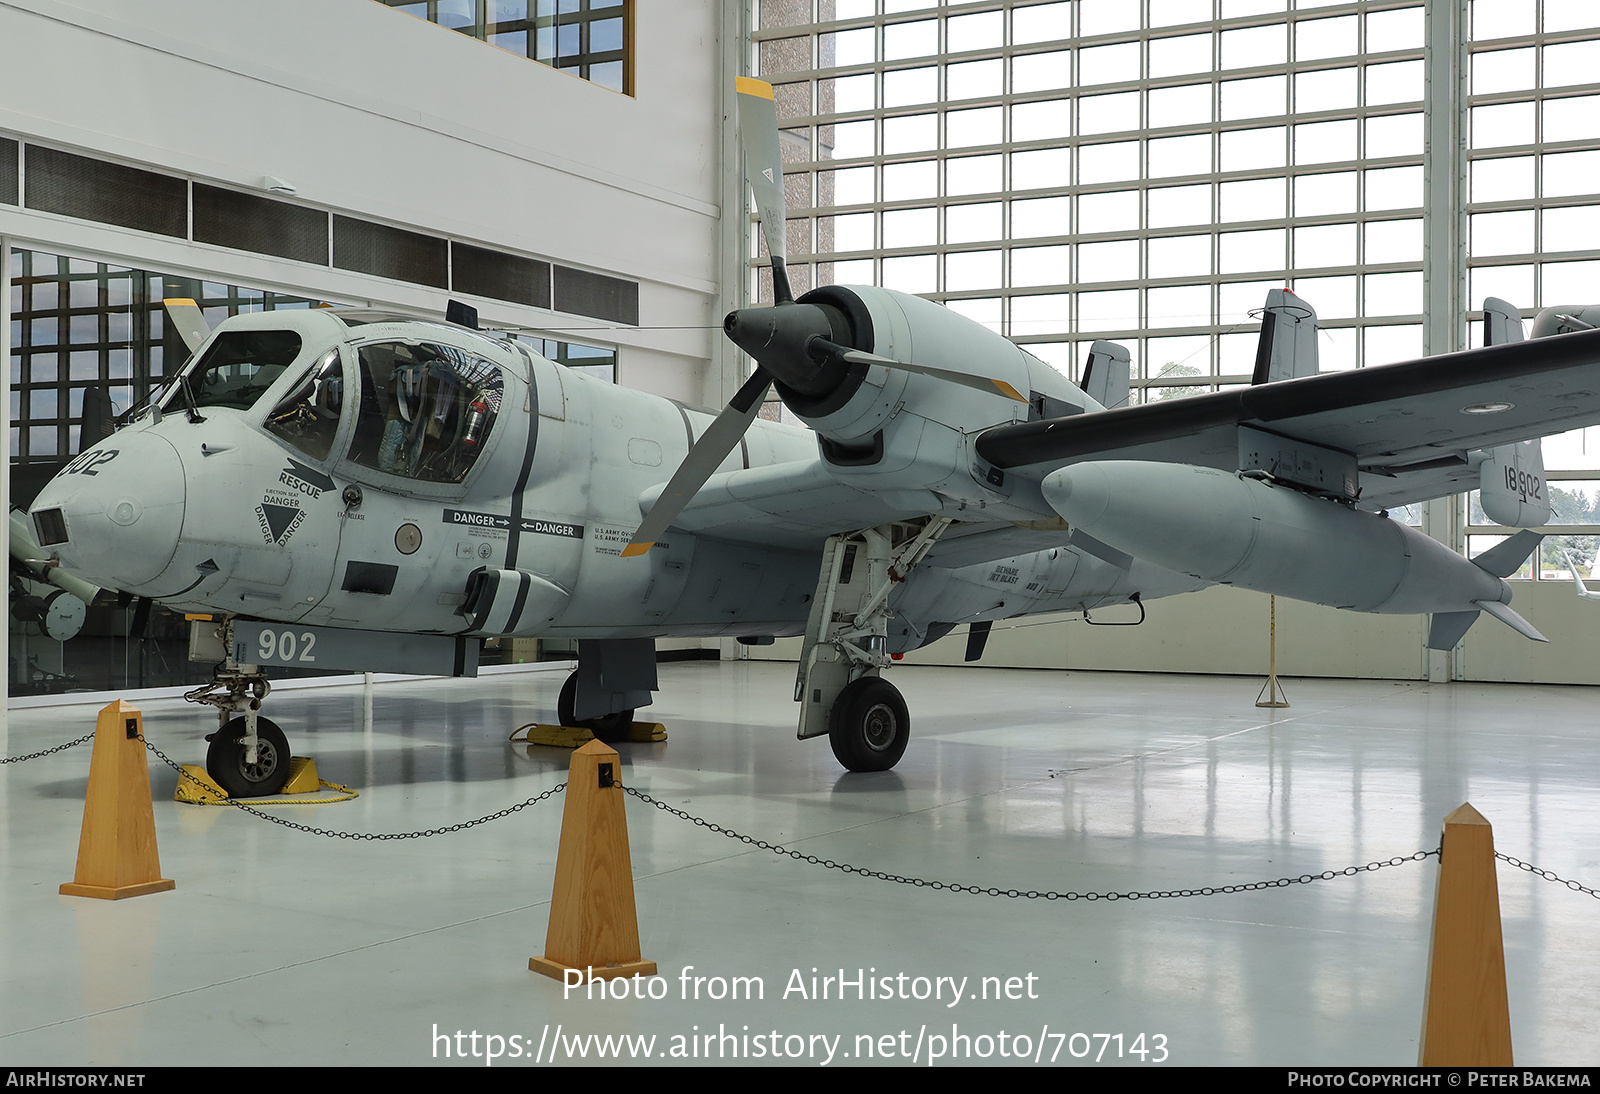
759,88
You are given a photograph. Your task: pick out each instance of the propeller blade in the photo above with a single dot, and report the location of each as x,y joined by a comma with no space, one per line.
980,383
701,462
758,136
187,319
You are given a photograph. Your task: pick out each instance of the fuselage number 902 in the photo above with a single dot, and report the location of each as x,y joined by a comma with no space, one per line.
285,647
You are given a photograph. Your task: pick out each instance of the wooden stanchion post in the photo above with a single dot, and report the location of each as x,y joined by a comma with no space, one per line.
594,925
1466,1019
117,848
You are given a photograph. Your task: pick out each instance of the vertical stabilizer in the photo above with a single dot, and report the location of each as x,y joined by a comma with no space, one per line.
1288,346
1105,376
1511,480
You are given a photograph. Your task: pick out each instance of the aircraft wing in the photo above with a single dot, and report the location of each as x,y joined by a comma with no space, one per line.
794,504
1411,427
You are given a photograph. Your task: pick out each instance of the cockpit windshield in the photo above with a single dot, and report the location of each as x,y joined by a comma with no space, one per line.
237,367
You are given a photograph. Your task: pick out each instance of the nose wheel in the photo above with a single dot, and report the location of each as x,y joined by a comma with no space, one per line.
229,763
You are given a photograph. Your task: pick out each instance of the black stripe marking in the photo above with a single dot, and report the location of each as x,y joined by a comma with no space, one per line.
688,429
514,536
523,584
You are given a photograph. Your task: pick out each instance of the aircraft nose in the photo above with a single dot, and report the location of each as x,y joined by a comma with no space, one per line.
114,513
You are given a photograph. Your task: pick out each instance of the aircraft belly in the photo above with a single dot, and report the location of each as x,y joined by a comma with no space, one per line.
1055,580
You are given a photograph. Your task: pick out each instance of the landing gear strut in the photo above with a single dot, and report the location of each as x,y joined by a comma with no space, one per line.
249,755
838,687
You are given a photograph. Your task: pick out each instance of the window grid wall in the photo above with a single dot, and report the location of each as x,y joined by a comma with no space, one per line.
1072,178
1533,212
1145,170
592,39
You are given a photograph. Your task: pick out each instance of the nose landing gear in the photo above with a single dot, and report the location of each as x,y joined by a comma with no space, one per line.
249,754
227,759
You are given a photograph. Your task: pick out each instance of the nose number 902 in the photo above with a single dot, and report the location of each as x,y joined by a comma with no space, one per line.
286,647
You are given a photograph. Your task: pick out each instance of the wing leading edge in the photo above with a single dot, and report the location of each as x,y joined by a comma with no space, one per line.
1410,427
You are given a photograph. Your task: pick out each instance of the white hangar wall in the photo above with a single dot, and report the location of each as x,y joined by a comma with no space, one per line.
370,111
1225,630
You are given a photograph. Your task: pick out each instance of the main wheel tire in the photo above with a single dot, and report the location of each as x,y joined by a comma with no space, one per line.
607,727
870,725
226,764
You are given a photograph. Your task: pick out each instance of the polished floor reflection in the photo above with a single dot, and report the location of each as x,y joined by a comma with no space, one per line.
279,946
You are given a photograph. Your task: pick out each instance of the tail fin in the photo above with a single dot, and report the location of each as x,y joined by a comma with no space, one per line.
1511,480
1447,629
1288,345
1105,377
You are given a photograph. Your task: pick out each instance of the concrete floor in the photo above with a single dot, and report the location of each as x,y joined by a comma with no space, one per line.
283,947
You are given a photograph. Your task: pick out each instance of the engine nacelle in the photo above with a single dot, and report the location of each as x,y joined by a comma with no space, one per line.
915,431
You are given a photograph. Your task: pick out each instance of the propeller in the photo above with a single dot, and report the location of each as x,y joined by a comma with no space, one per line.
188,320
798,345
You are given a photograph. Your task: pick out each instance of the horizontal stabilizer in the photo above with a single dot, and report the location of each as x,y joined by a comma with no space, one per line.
1505,559
1577,580
1449,628
1511,619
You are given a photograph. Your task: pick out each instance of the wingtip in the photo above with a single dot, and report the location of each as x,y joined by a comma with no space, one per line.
634,549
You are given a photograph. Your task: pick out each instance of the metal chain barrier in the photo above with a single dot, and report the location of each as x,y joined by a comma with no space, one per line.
843,867
1031,894
85,739
506,812
1576,887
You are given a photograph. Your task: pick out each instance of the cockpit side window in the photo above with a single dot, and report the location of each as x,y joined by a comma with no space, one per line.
426,410
238,366
308,418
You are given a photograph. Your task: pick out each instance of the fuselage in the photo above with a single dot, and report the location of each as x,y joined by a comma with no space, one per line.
351,469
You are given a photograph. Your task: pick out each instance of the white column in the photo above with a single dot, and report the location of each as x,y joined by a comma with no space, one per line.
1444,251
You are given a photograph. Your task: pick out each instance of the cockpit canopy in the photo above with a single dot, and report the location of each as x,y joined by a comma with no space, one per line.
425,409
420,410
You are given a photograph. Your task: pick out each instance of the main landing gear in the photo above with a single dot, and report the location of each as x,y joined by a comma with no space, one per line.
614,677
869,726
605,727
838,687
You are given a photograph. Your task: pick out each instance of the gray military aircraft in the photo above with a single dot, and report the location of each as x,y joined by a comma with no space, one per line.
346,488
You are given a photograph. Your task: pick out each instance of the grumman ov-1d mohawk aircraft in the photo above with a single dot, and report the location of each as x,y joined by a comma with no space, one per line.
348,489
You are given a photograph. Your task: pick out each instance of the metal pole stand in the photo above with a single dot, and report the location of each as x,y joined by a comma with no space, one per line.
1271,693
